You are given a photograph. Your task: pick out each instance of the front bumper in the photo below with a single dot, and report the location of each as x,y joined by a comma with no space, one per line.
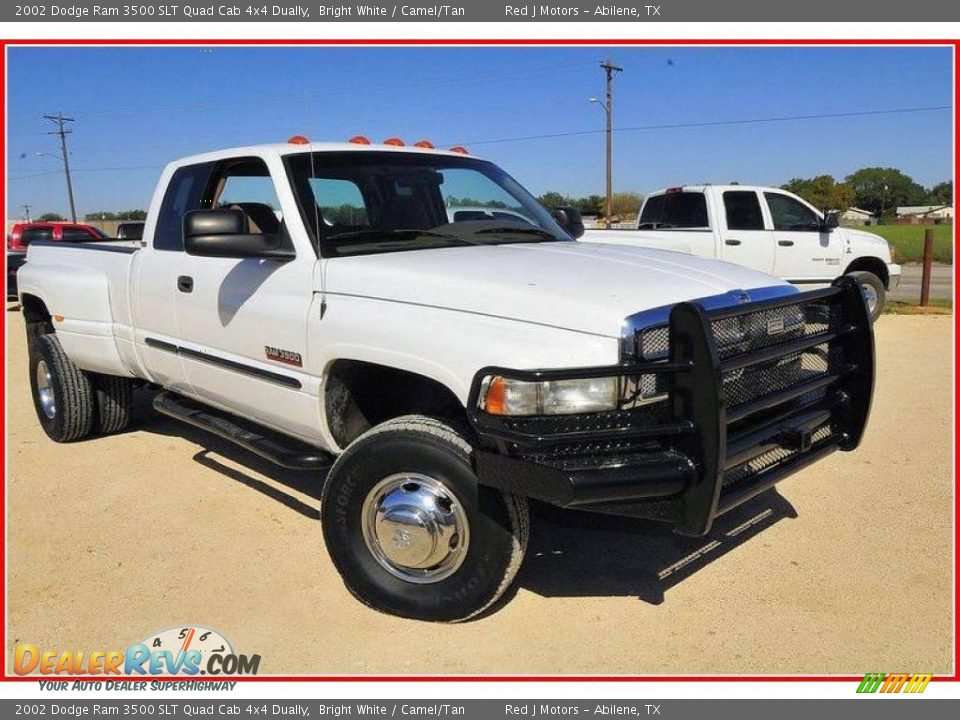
754,393
895,272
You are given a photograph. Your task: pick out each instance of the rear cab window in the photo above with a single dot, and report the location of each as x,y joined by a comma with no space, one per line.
80,235
742,208
675,210
183,193
36,234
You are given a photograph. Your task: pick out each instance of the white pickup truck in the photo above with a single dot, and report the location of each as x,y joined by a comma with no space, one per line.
763,228
317,305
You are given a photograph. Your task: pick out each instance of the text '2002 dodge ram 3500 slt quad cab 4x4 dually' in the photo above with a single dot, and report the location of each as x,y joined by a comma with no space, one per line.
318,305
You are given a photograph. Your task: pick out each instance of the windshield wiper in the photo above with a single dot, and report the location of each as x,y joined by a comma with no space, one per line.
412,232
508,230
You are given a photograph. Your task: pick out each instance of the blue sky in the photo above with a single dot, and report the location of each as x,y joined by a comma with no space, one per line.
138,108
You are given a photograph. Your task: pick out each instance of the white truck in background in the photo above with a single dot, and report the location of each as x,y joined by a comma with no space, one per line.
763,228
321,306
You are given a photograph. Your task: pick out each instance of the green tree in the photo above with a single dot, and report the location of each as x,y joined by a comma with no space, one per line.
589,205
823,192
50,217
941,193
132,215
552,200
625,204
881,190
102,215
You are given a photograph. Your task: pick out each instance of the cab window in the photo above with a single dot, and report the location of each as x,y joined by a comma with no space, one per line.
245,184
791,214
38,234
675,210
183,194
743,210
80,235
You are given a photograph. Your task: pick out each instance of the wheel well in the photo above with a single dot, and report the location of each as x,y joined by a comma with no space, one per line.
872,265
34,310
360,395
36,317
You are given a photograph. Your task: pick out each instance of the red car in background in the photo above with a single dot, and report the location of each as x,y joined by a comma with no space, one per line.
22,234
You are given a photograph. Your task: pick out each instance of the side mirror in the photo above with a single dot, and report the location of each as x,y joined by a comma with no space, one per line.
569,219
831,220
225,234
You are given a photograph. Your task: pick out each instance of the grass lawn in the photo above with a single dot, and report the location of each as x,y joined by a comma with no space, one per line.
908,240
900,307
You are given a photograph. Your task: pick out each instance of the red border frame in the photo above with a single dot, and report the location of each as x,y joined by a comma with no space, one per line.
425,42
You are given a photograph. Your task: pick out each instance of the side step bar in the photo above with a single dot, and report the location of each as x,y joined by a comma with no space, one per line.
276,448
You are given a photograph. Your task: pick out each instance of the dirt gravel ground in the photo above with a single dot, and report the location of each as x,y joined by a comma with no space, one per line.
845,568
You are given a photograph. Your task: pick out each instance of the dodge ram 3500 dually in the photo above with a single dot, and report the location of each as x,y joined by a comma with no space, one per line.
763,228
318,305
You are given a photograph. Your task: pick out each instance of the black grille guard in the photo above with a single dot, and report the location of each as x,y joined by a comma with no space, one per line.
791,382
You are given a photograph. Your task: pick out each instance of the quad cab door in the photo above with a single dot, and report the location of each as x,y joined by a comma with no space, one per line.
744,237
806,252
157,332
243,322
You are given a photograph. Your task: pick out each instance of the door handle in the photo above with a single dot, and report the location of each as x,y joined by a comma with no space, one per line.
185,283
785,243
732,242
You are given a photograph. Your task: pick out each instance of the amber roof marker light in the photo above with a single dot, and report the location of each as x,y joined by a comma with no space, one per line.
460,150
396,142
359,140
299,140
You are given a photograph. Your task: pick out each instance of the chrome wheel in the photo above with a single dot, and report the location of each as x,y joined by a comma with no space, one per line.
415,528
48,402
870,294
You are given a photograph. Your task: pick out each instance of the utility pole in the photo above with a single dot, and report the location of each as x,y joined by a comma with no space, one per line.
26,211
60,121
610,69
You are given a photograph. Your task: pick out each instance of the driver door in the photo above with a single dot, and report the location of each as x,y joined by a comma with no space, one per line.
806,252
243,322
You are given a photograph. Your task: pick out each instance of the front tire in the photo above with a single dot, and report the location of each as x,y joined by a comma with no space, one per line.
873,291
62,392
411,530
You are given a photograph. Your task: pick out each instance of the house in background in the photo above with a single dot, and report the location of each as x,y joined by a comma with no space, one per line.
857,216
918,214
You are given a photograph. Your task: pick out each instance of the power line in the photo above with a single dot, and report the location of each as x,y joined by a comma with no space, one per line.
711,123
88,169
386,87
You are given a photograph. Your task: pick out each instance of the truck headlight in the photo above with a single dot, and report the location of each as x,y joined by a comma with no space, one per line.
504,396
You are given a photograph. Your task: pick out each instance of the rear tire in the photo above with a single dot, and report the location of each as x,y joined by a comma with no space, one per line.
411,530
62,392
873,290
114,403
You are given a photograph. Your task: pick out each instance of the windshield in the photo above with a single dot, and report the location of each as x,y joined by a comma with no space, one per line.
372,202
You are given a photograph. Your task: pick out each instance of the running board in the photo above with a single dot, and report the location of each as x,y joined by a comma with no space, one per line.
276,448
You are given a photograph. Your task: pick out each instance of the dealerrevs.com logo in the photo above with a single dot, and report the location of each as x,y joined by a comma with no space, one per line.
185,651
894,683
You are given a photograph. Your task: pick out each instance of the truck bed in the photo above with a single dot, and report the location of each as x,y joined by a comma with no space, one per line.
86,290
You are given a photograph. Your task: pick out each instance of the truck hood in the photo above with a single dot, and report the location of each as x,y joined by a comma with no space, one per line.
584,287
